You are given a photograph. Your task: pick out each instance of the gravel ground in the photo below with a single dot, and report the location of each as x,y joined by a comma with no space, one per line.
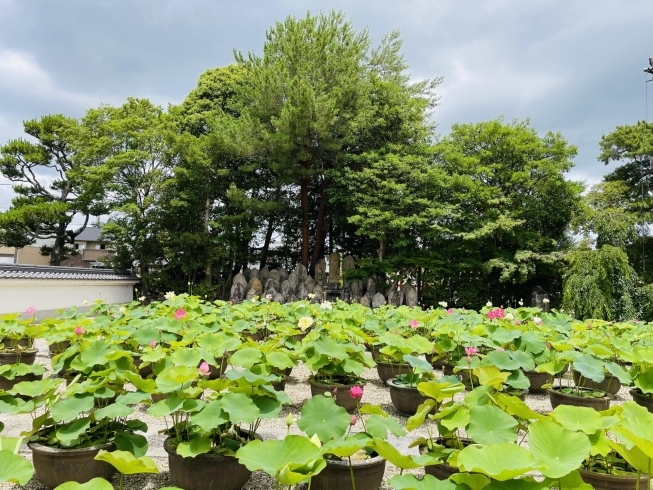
297,388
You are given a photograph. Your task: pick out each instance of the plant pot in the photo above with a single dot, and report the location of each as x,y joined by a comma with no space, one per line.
55,466
436,361
406,399
537,380
447,370
603,481
441,471
27,356
387,370
368,475
299,337
8,384
58,347
640,398
341,396
216,370
375,353
205,471
144,371
280,385
558,398
7,342
610,384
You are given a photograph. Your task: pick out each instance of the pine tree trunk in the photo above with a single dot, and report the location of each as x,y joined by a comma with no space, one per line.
318,249
266,244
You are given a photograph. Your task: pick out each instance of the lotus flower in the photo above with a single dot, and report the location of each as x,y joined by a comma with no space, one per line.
79,330
353,420
153,343
471,351
204,368
450,311
356,392
180,314
414,323
31,310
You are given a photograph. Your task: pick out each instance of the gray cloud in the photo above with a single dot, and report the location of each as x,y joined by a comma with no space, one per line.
574,67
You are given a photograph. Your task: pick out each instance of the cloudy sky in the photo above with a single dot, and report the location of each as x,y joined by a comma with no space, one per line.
570,66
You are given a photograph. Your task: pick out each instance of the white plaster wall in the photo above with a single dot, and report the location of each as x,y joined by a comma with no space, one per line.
16,295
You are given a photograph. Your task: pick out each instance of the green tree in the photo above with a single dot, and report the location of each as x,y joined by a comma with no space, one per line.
51,188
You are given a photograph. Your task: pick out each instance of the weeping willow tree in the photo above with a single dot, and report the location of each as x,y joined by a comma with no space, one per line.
600,284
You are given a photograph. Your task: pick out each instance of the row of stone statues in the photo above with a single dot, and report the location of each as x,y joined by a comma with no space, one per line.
284,287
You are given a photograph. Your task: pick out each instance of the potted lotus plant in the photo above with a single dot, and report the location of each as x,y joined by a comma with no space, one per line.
390,360
18,338
590,367
404,394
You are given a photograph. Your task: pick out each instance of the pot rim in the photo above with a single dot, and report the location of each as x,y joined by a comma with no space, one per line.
167,447
360,382
639,392
38,447
376,460
607,477
398,364
29,350
391,384
556,391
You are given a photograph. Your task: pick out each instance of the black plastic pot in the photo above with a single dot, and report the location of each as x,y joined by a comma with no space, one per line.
339,392
558,398
602,481
216,370
55,466
537,380
368,475
9,343
27,356
436,361
610,384
58,347
406,399
640,398
387,370
205,471
8,384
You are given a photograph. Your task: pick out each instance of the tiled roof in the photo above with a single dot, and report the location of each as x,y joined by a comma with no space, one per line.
90,234
11,271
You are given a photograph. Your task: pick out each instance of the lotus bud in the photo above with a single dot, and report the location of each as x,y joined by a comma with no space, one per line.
469,359
204,368
289,420
153,343
353,420
356,392
327,394
79,330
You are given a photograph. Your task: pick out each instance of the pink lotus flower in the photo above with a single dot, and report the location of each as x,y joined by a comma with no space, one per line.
496,313
180,314
153,343
353,420
414,323
500,349
450,311
356,392
204,368
79,330
469,359
517,322
471,351
335,391
31,310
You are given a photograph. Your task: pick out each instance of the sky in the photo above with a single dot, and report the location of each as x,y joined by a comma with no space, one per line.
574,67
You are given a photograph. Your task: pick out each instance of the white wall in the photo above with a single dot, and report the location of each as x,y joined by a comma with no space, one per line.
16,295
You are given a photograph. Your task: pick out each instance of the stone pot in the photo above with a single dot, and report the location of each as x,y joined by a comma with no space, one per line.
387,370
602,481
58,347
205,471
441,471
642,399
557,398
216,370
55,466
406,399
27,356
368,475
537,380
447,370
144,371
436,361
23,342
610,384
341,396
280,385
8,384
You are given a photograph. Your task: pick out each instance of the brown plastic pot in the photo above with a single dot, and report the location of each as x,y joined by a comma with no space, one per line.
368,475
58,347
537,380
602,481
55,466
279,385
641,399
406,399
436,361
557,398
205,471
27,356
610,384
387,370
339,392
7,342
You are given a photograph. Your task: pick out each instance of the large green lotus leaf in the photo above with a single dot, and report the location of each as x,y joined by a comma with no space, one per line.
352,366
498,461
378,426
166,406
175,378
590,367
269,407
518,380
240,407
558,450
514,406
643,381
196,445
321,416
418,419
501,360
581,419
491,425
153,355
473,480
418,364
146,385
210,417
126,463
68,435
279,360
438,390
618,372
429,482
133,398
94,484
418,344
390,453
251,378
456,419
96,353
10,443
330,348
491,376
637,426
36,388
532,343
112,411
524,360
187,357
572,481
634,456
369,409
246,357
14,469
134,443
70,408
346,446
295,455
517,484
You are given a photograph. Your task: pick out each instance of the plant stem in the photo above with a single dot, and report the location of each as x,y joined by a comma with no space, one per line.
351,472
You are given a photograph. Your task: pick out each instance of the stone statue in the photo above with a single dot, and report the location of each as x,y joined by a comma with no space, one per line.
302,291
378,300
538,297
319,294
320,272
347,265
411,295
334,268
251,294
263,273
310,283
396,298
286,288
257,286
370,286
237,293
301,272
253,274
365,300
240,279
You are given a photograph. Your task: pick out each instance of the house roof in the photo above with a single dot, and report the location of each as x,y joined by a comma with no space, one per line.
14,271
90,234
